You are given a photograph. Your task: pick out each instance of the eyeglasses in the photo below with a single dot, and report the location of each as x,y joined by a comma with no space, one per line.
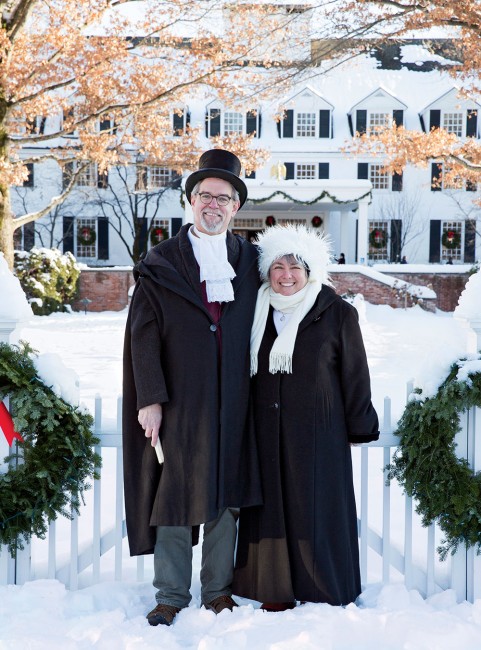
206,197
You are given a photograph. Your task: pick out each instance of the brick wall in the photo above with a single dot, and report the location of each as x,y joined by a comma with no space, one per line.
108,288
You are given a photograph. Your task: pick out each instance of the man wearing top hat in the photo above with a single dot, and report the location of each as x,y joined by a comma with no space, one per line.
186,380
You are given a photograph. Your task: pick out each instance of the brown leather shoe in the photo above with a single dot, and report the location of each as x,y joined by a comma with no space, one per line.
163,615
277,607
220,603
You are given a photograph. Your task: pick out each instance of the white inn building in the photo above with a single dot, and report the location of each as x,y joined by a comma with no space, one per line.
370,215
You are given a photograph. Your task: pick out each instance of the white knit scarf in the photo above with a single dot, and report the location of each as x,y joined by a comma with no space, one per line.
211,254
298,305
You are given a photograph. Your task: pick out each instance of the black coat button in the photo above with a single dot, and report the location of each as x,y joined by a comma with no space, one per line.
213,328
275,405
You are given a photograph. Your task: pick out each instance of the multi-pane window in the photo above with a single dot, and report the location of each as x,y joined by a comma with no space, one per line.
378,177
306,125
160,176
453,123
306,171
88,176
233,123
159,231
451,248
378,239
378,121
86,237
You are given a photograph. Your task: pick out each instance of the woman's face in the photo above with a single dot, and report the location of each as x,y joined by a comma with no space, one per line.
287,276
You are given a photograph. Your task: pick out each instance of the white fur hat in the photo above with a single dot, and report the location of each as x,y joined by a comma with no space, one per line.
307,246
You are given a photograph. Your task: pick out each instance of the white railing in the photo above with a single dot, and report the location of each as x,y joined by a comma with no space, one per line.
393,544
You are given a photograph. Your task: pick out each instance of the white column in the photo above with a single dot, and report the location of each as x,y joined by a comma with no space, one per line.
362,231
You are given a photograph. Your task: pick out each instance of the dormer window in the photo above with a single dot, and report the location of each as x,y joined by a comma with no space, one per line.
310,117
454,114
376,112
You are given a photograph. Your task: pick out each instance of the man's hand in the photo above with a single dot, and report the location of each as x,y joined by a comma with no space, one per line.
150,419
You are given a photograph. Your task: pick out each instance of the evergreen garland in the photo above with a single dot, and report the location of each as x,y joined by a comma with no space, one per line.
50,470
425,464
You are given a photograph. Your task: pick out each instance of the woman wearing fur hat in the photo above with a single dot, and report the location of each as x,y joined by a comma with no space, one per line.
311,400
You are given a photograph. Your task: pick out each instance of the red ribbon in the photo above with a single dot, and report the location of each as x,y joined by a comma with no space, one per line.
6,424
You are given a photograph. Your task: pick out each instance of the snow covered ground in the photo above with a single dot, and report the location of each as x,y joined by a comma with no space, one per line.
401,345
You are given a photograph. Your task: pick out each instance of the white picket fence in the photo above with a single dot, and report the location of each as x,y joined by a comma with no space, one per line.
394,547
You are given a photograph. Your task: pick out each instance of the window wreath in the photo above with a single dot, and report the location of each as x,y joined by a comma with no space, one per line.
451,239
158,234
425,464
55,458
378,238
86,235
270,220
316,221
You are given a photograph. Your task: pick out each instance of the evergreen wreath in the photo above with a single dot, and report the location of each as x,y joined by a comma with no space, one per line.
378,238
158,234
451,239
49,470
425,464
86,236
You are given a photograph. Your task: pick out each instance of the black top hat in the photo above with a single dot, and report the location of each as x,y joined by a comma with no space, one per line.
218,163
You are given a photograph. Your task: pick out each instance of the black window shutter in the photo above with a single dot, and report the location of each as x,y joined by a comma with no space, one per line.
259,122
361,121
105,124
324,123
397,182
290,167
29,236
178,123
398,117
349,121
423,126
363,171
434,119
396,228
214,122
176,182
434,241
175,225
471,186
103,180
472,123
469,240
67,234
103,238
436,173
30,181
288,124
251,123
251,175
67,173
323,170
142,244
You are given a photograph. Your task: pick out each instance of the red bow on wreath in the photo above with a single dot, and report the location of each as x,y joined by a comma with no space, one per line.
6,424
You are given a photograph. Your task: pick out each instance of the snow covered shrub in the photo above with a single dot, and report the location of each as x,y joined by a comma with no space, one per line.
48,277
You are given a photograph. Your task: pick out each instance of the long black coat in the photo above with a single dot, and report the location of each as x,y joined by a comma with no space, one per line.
302,544
172,357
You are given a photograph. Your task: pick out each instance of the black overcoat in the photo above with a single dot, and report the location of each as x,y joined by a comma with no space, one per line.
302,544
172,356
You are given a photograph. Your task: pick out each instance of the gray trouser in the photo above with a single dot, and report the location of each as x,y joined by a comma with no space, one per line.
173,560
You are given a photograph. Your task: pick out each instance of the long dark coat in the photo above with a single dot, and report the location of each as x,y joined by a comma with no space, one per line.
172,357
302,544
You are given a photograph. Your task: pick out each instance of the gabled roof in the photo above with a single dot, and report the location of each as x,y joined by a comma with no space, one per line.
452,91
311,91
380,92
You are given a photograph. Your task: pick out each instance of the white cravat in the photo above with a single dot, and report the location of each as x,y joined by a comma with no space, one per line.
211,254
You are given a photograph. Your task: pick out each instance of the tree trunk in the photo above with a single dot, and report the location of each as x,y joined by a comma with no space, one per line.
6,217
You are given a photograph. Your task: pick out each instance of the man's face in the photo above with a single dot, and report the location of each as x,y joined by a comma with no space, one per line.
212,218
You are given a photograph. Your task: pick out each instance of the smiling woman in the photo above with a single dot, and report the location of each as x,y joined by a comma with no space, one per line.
311,399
